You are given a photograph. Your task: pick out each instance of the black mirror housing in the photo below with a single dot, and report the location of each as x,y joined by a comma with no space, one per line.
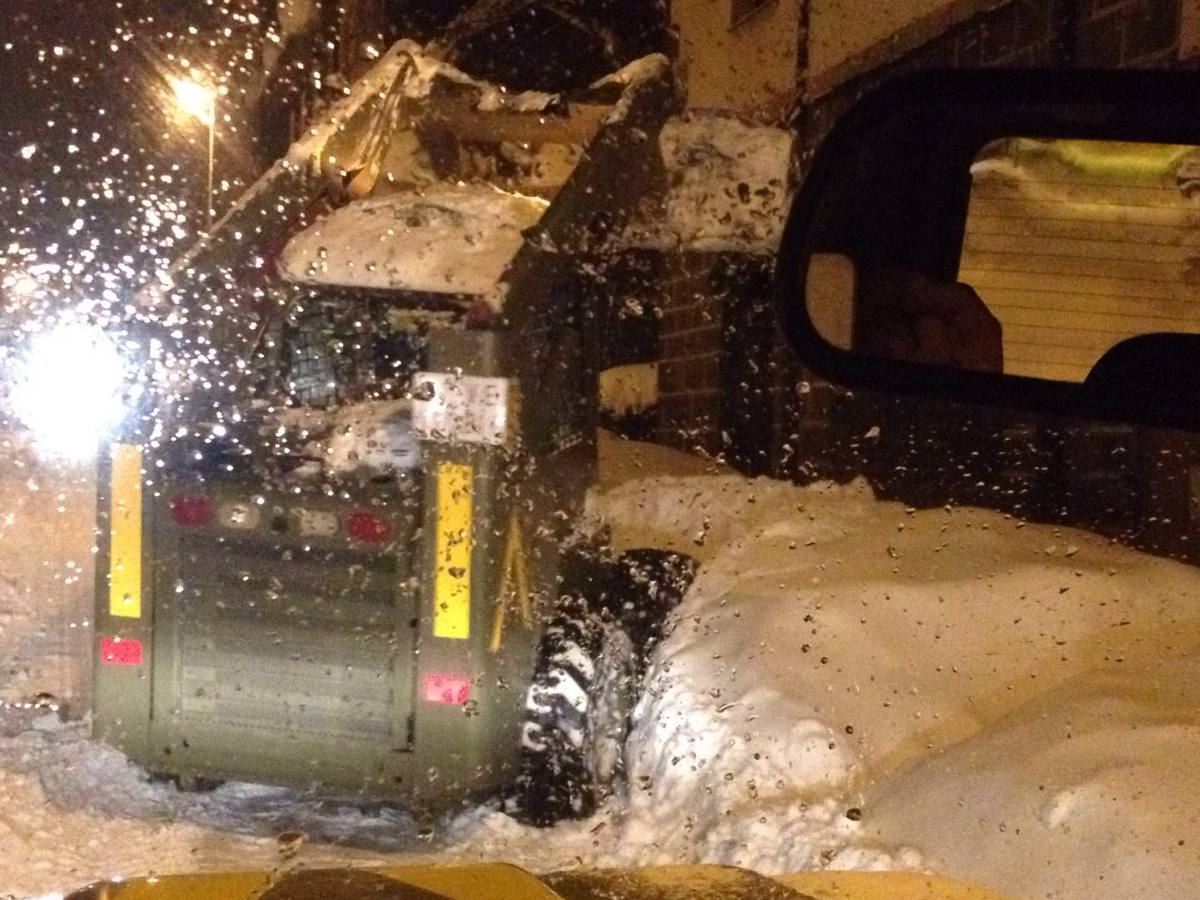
891,188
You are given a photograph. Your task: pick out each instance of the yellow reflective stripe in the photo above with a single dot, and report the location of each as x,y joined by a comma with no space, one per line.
125,567
452,583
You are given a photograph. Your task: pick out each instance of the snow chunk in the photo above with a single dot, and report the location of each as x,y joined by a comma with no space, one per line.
729,186
494,99
729,183
642,69
447,239
630,75
629,389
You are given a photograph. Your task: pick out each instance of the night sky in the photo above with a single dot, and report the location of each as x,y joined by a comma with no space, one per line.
100,175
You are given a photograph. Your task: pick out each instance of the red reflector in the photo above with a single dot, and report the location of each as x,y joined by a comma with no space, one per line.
452,690
368,528
191,510
115,651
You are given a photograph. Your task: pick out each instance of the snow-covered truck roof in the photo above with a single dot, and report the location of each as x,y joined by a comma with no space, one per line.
453,239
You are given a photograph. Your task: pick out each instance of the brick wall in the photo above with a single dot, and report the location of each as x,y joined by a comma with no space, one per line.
1113,34
1189,32
689,372
715,386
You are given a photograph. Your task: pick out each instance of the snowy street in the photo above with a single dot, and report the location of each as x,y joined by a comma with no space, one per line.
379,384
847,684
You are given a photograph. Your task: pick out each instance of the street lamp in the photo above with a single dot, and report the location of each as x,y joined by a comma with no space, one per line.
200,102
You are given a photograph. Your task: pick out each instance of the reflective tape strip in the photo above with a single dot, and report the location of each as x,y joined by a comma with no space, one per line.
115,651
452,584
125,537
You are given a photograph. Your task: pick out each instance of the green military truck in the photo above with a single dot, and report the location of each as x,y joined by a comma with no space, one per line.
344,559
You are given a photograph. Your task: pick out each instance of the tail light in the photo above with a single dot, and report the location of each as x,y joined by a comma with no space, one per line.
191,510
450,690
115,651
368,528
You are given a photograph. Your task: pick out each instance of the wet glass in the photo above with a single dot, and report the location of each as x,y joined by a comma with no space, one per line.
403,464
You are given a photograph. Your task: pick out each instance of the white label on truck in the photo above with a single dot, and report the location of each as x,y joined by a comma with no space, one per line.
468,409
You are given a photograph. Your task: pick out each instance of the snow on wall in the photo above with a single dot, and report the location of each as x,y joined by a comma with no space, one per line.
447,239
729,186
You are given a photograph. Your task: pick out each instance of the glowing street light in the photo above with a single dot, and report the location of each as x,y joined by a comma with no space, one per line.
200,102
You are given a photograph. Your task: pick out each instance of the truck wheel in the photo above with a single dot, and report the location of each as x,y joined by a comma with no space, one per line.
576,719
648,585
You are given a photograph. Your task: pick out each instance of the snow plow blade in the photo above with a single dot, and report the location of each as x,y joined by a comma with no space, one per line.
505,882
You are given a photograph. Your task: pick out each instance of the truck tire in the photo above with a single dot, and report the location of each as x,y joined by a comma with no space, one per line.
576,718
649,584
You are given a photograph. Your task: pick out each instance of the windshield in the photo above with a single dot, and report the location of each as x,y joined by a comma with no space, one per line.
404,463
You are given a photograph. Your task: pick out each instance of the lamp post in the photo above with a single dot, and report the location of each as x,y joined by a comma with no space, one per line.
199,101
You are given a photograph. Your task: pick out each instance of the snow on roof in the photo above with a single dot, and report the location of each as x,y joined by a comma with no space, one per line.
306,151
455,239
729,186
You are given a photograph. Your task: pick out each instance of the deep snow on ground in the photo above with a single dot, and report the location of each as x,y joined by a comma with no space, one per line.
848,683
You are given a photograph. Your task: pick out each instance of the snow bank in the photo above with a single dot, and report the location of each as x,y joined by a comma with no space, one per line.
447,239
851,683
1089,790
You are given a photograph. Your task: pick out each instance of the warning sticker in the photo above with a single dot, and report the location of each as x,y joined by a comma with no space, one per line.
466,409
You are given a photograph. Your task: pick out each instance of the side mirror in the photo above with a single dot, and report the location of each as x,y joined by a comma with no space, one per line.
1019,239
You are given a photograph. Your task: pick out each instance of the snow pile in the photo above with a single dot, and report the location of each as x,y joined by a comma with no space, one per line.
497,99
1089,790
729,185
447,239
78,812
851,683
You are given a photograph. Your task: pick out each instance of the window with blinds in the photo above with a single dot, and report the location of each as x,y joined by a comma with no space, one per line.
1078,245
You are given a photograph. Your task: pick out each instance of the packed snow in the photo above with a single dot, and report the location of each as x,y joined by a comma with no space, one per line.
849,683
454,239
729,186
